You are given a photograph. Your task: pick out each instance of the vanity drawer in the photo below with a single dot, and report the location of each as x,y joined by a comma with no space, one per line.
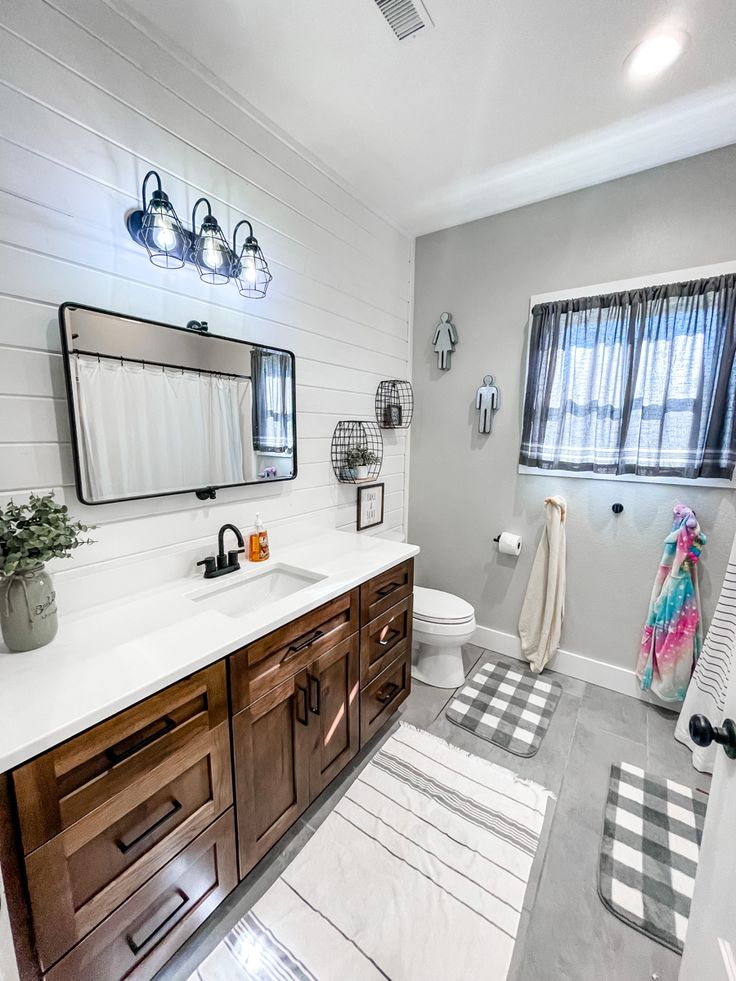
380,699
139,937
78,777
83,874
382,592
383,639
278,656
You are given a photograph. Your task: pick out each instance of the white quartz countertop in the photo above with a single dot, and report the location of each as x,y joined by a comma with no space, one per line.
113,655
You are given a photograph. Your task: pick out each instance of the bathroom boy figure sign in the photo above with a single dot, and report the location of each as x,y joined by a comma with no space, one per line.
370,506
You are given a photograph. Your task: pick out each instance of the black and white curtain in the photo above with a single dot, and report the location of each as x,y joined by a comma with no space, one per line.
636,382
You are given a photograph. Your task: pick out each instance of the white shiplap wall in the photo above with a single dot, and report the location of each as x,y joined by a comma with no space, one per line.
88,104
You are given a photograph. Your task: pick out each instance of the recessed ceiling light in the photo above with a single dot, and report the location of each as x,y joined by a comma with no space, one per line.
657,53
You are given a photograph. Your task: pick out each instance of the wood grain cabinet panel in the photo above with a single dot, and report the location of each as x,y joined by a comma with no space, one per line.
83,874
137,939
271,758
74,779
334,705
380,699
382,640
382,592
263,665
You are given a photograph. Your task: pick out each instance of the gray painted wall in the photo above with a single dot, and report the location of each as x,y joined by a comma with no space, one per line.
465,488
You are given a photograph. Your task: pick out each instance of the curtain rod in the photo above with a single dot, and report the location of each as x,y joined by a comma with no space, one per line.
157,364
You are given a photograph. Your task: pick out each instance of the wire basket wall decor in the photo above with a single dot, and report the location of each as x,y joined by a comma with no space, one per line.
357,451
394,404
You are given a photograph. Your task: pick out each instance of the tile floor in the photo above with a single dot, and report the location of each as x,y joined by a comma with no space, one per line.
566,934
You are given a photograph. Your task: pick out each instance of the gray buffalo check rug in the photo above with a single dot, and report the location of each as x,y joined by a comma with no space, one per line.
506,705
652,831
419,872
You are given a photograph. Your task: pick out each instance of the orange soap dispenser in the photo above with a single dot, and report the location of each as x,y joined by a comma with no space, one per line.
258,551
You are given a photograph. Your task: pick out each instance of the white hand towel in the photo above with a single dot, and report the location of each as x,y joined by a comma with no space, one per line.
543,609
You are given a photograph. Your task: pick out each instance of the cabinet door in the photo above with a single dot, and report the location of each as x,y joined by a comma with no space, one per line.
334,708
271,753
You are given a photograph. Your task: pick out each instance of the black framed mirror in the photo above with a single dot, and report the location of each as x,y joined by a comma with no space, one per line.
157,409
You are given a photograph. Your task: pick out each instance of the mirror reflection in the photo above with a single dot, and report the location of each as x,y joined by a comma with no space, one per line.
157,409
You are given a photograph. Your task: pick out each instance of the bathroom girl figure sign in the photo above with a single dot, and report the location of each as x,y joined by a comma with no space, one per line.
444,340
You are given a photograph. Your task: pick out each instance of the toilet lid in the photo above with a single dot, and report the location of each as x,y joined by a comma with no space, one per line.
434,606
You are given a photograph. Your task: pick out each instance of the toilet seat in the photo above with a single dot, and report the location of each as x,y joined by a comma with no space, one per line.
436,606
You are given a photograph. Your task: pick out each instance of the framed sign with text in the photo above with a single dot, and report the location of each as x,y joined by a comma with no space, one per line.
370,506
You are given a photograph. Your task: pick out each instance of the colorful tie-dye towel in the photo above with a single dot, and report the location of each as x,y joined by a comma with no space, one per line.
673,634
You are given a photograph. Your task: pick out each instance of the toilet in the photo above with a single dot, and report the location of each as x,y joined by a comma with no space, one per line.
442,624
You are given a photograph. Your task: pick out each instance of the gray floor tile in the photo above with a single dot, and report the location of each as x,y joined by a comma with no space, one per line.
570,936
585,784
667,756
614,713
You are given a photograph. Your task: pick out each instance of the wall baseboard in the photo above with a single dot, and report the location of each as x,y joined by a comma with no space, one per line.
580,666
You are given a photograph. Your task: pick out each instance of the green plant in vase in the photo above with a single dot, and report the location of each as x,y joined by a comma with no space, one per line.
30,535
358,459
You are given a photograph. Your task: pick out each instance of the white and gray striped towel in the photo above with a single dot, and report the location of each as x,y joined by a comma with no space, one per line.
419,873
707,692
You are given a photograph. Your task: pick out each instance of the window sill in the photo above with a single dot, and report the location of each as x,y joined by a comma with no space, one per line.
631,478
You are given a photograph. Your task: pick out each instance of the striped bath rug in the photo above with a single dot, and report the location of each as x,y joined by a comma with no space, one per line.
507,705
649,854
419,872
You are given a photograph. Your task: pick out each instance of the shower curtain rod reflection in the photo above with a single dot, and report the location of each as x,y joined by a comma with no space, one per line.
156,364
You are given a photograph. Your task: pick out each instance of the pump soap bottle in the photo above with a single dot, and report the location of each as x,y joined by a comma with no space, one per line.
259,551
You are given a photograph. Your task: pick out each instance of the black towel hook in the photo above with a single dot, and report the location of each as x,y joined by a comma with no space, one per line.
617,508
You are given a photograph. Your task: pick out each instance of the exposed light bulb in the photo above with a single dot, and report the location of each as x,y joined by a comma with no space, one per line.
211,252
249,268
164,236
656,53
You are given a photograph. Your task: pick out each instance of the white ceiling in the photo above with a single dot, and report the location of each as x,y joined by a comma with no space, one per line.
504,102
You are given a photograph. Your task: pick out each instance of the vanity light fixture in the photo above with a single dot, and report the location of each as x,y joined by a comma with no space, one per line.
158,227
251,270
210,252
170,245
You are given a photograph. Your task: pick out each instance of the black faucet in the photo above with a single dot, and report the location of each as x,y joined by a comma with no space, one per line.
222,563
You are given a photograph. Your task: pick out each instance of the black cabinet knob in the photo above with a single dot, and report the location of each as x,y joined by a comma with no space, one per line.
703,733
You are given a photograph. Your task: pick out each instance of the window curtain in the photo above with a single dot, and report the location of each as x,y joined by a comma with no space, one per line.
273,425
149,430
637,382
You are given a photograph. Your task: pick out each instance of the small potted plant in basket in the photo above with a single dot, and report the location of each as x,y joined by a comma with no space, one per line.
358,459
31,534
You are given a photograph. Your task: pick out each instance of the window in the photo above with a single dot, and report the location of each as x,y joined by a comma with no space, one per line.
635,382
273,424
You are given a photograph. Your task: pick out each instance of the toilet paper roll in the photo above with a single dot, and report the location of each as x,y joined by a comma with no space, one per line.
509,544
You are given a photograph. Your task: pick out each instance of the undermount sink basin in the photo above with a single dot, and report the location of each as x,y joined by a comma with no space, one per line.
243,592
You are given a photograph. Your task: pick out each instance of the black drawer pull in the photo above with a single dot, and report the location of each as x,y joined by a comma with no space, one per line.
302,644
118,755
315,685
137,946
125,846
386,693
305,705
387,590
390,637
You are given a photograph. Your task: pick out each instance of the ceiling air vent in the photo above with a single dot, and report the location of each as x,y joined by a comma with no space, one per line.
405,17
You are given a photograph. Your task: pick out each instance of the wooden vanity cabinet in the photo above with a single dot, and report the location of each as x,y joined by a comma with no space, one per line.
290,743
103,813
126,833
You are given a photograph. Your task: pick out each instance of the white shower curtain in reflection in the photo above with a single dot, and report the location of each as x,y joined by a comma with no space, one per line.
148,429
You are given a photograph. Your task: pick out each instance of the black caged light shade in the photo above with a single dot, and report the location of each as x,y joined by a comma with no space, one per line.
161,231
251,270
210,252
